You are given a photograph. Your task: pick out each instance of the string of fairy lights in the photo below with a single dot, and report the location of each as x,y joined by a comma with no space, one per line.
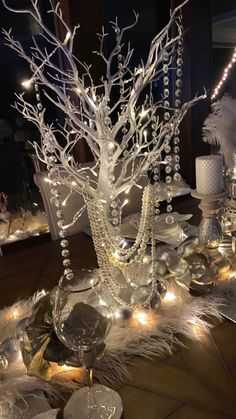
224,76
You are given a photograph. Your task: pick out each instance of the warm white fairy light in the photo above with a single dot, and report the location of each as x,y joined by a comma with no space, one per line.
143,113
224,75
27,83
141,317
15,313
126,201
169,297
111,145
67,37
47,180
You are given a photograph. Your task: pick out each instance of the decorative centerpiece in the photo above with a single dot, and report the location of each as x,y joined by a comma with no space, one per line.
130,131
127,137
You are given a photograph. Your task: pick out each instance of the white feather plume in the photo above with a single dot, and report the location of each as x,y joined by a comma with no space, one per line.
220,127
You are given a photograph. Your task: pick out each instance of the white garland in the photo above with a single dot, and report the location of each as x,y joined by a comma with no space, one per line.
158,335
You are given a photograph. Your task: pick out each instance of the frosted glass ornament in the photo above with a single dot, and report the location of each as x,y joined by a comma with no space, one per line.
141,294
160,267
178,268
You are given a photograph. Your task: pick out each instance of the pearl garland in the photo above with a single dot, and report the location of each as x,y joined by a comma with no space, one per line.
110,253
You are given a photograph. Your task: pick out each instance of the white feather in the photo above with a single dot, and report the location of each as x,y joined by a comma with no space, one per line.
157,338
220,127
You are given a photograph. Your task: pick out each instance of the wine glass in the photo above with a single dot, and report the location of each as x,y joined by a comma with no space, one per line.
82,323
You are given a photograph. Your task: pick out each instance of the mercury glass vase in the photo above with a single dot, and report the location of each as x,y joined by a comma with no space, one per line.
210,232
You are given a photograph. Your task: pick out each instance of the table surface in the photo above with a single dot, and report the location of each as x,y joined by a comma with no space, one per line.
196,382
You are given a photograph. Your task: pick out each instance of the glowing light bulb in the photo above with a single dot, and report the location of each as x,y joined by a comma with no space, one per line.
67,37
127,191
224,76
27,83
169,296
126,201
111,145
14,313
143,113
47,180
141,317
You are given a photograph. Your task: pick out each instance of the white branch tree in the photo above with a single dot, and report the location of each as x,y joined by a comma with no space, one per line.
118,132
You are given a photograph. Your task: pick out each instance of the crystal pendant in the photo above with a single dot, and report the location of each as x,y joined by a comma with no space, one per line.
63,233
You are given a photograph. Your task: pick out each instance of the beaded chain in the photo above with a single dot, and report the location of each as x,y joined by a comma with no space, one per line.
55,199
110,253
178,93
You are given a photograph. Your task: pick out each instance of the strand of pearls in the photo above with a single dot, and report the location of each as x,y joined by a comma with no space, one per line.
101,228
106,265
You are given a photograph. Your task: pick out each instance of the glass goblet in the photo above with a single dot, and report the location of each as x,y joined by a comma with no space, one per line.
82,327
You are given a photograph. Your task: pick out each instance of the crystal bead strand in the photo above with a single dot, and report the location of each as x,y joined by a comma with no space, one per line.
155,169
115,208
178,93
167,116
55,199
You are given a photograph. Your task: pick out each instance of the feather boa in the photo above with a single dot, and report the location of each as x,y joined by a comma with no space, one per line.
161,333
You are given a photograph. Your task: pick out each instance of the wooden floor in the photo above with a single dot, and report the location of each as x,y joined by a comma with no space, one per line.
197,382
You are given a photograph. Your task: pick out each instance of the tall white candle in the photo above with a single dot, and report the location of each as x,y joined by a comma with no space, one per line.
209,174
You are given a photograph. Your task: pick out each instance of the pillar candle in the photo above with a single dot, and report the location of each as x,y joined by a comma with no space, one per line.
209,174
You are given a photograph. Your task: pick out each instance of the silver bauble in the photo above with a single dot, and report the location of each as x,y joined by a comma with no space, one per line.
20,327
121,313
141,294
178,267
3,362
207,278
155,302
197,270
197,258
167,253
93,299
125,294
160,267
10,348
118,276
184,280
187,248
200,289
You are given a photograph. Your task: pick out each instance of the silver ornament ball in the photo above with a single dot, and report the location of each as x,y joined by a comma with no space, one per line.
141,294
